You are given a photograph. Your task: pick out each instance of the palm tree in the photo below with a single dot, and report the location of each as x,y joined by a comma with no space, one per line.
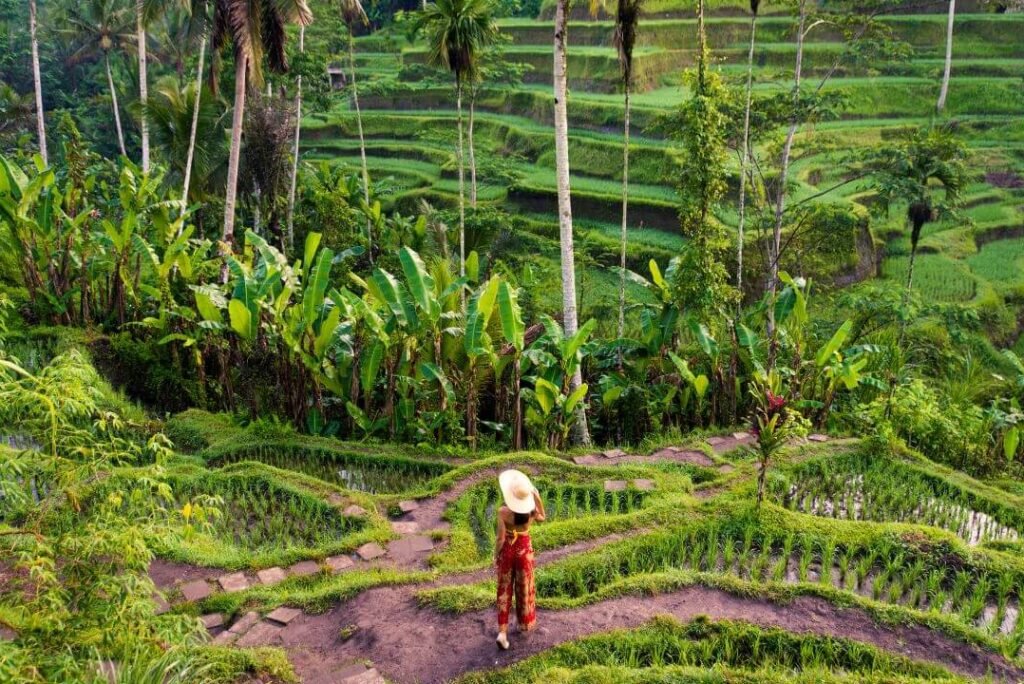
949,57
775,240
570,322
97,28
37,80
910,171
745,152
352,14
255,28
140,34
193,145
457,31
627,16
289,240
198,25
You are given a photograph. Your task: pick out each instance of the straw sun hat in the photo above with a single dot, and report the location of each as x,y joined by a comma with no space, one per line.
517,490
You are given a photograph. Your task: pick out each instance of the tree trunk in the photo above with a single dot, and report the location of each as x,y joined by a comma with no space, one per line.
471,400
190,157
472,150
462,188
295,150
949,58
38,82
780,201
745,160
569,321
140,31
517,405
625,212
228,234
362,141
117,113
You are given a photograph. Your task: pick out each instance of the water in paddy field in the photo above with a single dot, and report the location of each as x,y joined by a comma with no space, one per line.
380,476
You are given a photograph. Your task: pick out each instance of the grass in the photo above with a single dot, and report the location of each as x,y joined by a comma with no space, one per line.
668,650
936,276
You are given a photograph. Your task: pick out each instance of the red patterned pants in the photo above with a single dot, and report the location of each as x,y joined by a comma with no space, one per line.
515,574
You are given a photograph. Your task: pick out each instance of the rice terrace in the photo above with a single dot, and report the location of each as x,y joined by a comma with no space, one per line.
511,341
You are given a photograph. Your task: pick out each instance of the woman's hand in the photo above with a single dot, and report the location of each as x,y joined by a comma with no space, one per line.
539,516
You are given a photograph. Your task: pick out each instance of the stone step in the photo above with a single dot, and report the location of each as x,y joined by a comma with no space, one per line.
304,568
236,581
370,551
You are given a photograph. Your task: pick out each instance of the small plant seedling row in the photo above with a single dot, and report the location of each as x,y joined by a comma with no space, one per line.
886,570
373,474
856,488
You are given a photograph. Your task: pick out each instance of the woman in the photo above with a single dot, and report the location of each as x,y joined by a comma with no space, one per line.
513,553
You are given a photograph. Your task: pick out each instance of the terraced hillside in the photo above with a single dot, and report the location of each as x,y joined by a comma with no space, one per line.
642,575
408,113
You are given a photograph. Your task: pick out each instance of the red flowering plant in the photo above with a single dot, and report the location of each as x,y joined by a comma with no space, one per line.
774,423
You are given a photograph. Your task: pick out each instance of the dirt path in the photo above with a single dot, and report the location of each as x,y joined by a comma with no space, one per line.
413,645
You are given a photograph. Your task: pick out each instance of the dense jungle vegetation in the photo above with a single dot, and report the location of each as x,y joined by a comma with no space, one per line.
740,284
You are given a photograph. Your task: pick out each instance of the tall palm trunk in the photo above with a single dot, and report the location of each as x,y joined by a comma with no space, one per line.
949,57
140,31
117,111
472,149
462,186
569,320
775,246
230,195
295,149
38,83
190,157
362,140
625,211
745,158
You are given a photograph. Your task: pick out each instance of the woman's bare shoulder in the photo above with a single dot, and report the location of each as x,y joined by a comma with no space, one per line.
504,513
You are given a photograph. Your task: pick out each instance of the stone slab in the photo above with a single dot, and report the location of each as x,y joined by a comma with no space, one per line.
725,468
354,511
370,676
337,564
284,614
740,436
613,453
370,551
715,441
614,485
225,638
304,568
407,506
262,634
344,673
271,576
414,543
244,623
644,485
405,527
236,581
335,499
818,438
213,620
162,606
196,590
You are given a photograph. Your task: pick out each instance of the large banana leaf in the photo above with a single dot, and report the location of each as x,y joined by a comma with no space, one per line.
420,283
241,320
511,316
312,244
316,285
825,354
573,344
432,372
371,361
478,316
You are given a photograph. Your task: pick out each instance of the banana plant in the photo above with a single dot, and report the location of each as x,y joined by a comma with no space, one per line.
514,331
697,384
477,344
555,359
